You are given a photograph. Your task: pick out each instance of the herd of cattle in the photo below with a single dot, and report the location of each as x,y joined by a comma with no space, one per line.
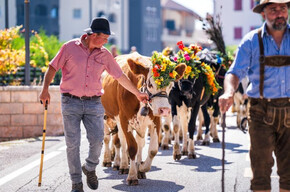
171,113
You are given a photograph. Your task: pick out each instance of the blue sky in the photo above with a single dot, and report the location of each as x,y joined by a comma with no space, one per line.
201,7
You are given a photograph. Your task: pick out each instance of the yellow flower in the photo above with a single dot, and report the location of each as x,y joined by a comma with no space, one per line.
188,69
163,67
186,49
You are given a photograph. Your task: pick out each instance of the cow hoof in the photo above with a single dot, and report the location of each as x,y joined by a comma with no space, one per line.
107,164
192,156
184,152
206,143
177,157
123,171
199,138
141,175
116,167
164,147
216,140
132,182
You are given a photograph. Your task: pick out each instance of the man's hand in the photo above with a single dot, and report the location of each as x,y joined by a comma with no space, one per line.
142,97
225,102
44,97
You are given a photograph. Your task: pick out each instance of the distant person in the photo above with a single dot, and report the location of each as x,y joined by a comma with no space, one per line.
133,49
82,62
114,51
264,57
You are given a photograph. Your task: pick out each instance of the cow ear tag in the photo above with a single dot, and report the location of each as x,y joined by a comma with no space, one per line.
144,110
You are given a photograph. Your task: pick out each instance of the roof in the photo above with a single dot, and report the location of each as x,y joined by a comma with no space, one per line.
170,4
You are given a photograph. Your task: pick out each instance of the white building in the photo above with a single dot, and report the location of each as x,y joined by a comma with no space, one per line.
179,24
74,17
11,13
237,19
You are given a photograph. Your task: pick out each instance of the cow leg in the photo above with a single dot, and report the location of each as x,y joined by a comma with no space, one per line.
213,129
200,120
215,121
152,151
124,164
184,125
176,146
191,129
205,113
140,143
117,156
107,162
166,130
131,149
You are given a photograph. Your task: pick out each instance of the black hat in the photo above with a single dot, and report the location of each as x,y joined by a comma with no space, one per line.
99,25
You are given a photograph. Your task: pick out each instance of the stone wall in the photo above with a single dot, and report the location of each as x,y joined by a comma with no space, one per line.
21,114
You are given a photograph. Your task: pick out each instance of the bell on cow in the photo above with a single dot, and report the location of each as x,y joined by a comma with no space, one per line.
144,111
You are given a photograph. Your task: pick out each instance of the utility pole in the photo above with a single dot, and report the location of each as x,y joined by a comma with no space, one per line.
27,50
6,15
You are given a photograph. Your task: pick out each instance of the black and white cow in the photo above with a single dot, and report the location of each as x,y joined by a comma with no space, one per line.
240,103
185,98
209,113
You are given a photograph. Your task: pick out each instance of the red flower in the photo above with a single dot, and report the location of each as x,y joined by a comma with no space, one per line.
157,66
180,45
156,74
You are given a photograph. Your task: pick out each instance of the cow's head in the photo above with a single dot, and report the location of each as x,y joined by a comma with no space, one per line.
142,66
186,87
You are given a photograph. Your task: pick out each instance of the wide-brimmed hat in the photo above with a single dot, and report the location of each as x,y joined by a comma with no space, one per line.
99,25
259,8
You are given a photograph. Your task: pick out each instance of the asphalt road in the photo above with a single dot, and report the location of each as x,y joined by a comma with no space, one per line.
19,167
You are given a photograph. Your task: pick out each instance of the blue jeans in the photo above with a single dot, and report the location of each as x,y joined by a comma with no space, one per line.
91,112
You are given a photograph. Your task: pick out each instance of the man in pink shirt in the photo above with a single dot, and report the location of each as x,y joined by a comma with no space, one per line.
82,62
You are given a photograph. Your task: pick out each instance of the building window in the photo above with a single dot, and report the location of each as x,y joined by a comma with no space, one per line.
238,5
77,13
151,11
170,24
54,13
112,18
151,34
238,33
252,4
40,10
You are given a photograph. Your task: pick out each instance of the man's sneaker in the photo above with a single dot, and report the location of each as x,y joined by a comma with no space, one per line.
78,187
92,179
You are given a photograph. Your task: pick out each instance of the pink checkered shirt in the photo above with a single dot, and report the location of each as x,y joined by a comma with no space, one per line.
82,70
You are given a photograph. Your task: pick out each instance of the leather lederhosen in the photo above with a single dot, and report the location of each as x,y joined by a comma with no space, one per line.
274,61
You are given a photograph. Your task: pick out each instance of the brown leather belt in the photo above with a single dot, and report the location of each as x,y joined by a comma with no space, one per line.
81,98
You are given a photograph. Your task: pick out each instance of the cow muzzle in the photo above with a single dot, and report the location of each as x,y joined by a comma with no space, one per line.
164,111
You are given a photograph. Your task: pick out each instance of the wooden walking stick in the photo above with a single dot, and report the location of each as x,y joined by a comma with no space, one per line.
223,147
43,144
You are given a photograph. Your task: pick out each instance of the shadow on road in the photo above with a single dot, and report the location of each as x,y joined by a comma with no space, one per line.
167,186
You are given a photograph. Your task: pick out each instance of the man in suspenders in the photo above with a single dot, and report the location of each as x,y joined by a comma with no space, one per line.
264,56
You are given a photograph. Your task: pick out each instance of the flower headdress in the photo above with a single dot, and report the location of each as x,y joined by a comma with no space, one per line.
188,56
163,70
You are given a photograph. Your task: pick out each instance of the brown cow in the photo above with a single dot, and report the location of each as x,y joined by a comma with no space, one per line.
125,108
